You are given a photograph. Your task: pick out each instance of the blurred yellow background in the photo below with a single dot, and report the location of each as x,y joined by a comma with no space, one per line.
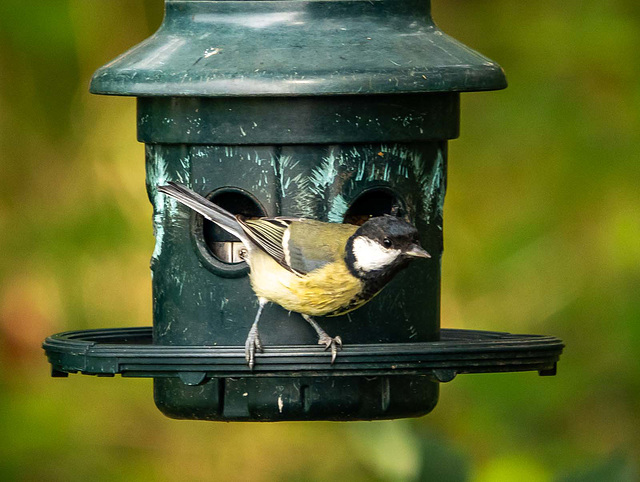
542,236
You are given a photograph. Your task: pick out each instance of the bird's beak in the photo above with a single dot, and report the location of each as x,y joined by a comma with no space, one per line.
417,251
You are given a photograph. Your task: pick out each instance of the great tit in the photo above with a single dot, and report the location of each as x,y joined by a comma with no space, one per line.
312,267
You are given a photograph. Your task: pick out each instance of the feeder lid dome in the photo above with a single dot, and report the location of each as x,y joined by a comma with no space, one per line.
316,47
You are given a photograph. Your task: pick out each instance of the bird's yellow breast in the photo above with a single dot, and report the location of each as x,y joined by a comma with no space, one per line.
321,292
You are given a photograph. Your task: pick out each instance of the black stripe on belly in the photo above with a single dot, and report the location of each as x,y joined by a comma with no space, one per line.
370,288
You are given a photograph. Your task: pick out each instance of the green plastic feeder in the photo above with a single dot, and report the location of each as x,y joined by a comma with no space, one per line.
334,110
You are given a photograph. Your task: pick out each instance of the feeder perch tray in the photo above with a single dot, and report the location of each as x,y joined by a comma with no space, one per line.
131,353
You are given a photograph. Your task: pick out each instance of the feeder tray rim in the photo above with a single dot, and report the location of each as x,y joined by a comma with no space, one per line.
131,353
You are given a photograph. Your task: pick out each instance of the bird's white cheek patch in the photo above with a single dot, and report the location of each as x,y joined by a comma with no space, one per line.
371,255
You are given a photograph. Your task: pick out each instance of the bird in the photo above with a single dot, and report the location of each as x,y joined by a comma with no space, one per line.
311,267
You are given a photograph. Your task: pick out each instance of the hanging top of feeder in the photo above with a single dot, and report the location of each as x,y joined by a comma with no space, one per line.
228,48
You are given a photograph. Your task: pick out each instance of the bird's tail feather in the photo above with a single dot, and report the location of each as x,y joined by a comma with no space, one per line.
209,210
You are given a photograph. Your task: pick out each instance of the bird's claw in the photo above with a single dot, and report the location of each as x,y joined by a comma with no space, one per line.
252,345
334,344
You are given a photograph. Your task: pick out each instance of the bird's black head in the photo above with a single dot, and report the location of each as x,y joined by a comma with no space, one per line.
382,246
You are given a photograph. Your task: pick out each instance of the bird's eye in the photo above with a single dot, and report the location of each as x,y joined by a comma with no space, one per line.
386,242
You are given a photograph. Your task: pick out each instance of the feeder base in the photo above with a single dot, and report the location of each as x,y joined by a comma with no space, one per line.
303,398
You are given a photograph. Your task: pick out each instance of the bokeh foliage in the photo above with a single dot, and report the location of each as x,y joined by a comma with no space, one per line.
542,236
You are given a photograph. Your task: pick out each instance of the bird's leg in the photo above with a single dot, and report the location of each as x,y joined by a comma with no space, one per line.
253,339
334,344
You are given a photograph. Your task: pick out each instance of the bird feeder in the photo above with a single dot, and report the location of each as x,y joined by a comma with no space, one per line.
336,110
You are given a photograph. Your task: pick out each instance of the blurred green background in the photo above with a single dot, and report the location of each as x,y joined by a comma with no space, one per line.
542,236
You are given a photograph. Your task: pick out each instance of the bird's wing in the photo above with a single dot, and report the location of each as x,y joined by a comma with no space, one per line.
268,234
299,245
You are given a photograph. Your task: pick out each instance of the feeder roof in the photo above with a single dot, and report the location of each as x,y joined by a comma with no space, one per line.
273,48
